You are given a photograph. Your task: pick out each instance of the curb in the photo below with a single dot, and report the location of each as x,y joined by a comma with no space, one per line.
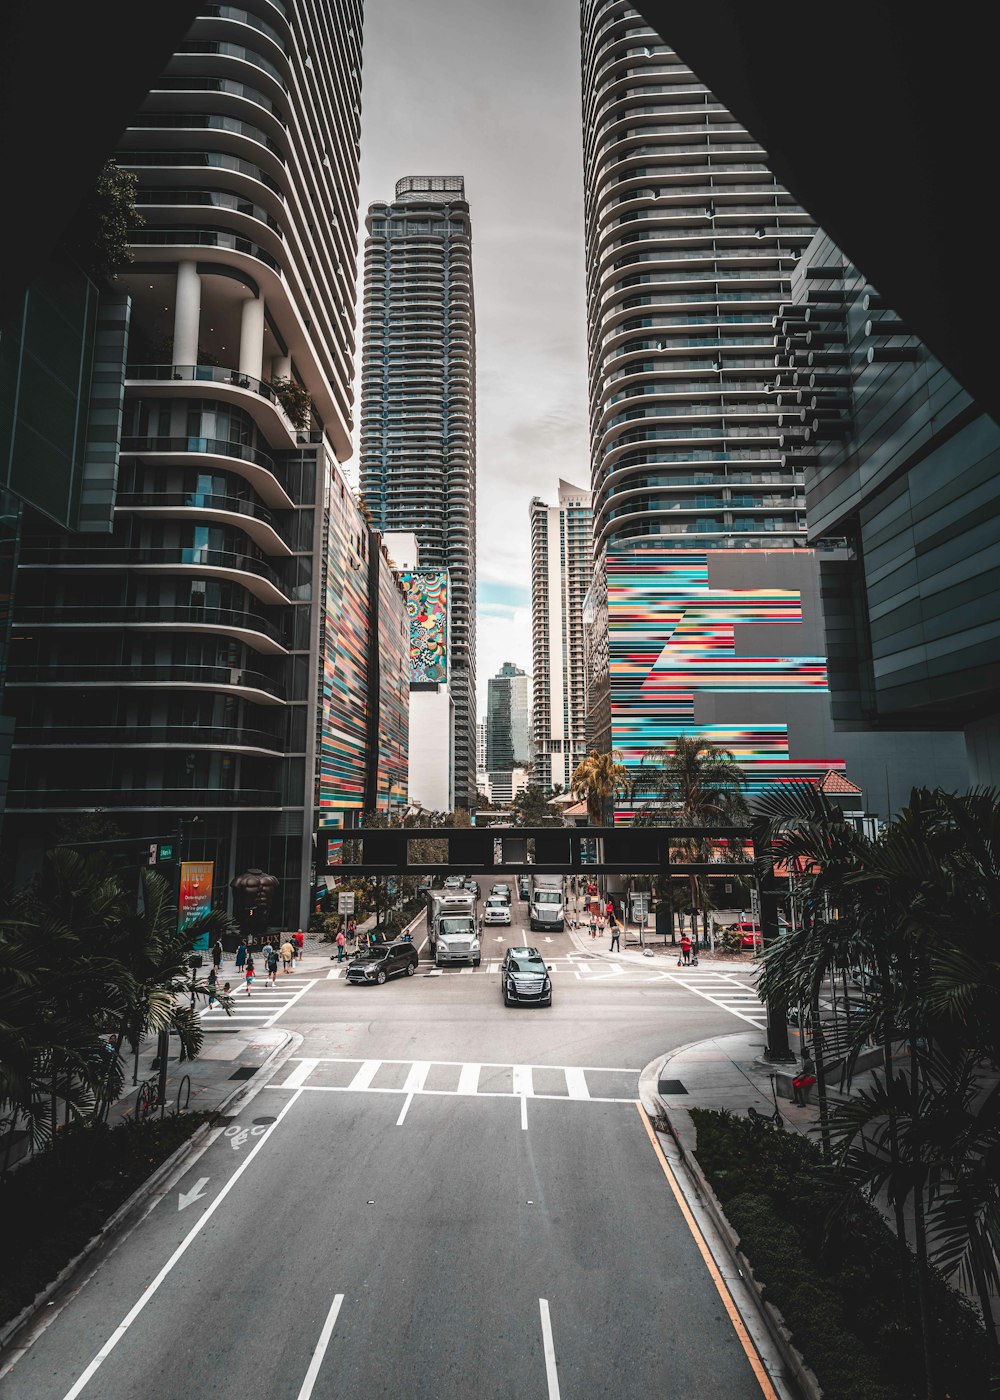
139,1196
683,1133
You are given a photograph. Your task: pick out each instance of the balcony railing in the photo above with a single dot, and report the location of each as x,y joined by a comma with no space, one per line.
217,447
87,799
117,736
210,374
180,556
87,615
81,673
202,500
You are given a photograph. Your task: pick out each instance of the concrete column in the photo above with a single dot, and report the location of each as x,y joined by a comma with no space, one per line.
187,314
252,337
281,367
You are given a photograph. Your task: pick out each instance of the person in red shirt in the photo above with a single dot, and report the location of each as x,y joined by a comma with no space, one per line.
298,939
685,948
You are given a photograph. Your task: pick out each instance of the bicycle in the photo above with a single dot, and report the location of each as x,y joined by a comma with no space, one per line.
148,1099
759,1121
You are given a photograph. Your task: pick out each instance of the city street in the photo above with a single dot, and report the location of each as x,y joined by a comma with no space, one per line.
433,1196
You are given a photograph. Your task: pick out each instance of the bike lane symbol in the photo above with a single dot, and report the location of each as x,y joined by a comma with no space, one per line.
238,1136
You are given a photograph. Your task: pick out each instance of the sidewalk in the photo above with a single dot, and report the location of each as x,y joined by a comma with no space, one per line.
227,1060
654,950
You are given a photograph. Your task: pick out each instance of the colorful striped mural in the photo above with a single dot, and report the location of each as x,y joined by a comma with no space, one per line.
671,636
345,660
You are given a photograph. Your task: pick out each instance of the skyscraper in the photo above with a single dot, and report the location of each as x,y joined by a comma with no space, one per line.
418,408
508,719
690,247
561,554
169,668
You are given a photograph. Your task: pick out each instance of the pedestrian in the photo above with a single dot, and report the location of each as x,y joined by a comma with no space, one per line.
241,956
225,989
249,972
602,923
299,942
609,909
804,1081
341,940
265,952
213,981
217,954
615,932
352,931
685,948
272,966
593,924
287,956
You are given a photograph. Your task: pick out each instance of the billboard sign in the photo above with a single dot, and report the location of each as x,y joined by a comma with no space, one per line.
196,895
427,612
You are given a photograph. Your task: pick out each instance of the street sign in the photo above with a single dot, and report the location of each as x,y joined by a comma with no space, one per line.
345,902
755,905
640,906
152,853
165,851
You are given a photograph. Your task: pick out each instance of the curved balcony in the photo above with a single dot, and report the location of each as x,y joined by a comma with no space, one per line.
256,576
257,631
260,470
203,238
255,520
257,396
254,686
258,742
156,800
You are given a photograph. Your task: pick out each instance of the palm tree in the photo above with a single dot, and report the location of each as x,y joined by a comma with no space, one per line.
600,778
695,783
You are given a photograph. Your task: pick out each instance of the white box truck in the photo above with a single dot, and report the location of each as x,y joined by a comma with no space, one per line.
451,927
546,903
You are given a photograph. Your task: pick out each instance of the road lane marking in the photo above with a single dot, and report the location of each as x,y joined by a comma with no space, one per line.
195,1194
151,1288
365,1075
468,1080
299,1074
524,1113
321,1346
576,1083
548,1347
402,1112
334,973
739,1325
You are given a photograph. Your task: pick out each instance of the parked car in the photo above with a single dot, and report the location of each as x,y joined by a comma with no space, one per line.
500,892
525,977
497,910
523,887
383,961
750,935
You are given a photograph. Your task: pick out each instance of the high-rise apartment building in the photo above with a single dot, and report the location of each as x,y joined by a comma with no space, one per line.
508,719
561,571
690,247
166,672
418,408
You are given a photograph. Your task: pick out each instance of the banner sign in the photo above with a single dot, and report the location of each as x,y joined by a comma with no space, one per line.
196,895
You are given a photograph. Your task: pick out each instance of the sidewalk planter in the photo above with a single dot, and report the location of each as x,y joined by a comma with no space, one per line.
832,1296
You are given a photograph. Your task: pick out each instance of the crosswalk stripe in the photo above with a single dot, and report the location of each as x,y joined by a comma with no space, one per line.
576,1083
299,1074
468,1080
522,1081
365,1075
416,1077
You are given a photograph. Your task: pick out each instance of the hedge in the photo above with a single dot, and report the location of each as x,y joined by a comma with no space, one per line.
833,1267
54,1203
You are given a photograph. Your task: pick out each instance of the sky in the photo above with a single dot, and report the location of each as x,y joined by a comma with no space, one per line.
492,92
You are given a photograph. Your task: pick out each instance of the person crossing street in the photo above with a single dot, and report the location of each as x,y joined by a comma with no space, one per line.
615,932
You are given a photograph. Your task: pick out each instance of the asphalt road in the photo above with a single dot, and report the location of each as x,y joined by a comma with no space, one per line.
436,1197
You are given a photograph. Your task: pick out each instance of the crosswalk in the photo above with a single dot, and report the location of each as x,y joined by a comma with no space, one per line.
261,1009
461,1079
725,990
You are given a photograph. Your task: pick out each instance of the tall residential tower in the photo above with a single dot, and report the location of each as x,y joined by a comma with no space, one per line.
690,247
561,552
166,661
418,408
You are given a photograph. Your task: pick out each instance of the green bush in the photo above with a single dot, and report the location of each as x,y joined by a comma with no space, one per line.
830,1263
55,1202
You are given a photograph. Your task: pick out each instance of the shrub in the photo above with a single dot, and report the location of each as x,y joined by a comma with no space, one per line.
828,1260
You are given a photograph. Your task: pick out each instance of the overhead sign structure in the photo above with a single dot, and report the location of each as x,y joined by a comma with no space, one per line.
195,895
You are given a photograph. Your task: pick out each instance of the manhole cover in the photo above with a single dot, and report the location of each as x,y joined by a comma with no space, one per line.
244,1072
671,1086
271,1119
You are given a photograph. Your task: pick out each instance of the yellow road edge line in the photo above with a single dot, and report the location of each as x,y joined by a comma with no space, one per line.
752,1354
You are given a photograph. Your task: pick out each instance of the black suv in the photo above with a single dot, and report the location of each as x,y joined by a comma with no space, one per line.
383,961
524,977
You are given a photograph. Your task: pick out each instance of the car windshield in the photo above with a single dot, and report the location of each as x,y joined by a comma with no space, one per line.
372,954
532,965
495,902
548,897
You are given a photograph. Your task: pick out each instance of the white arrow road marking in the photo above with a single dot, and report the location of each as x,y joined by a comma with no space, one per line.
195,1194
548,939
